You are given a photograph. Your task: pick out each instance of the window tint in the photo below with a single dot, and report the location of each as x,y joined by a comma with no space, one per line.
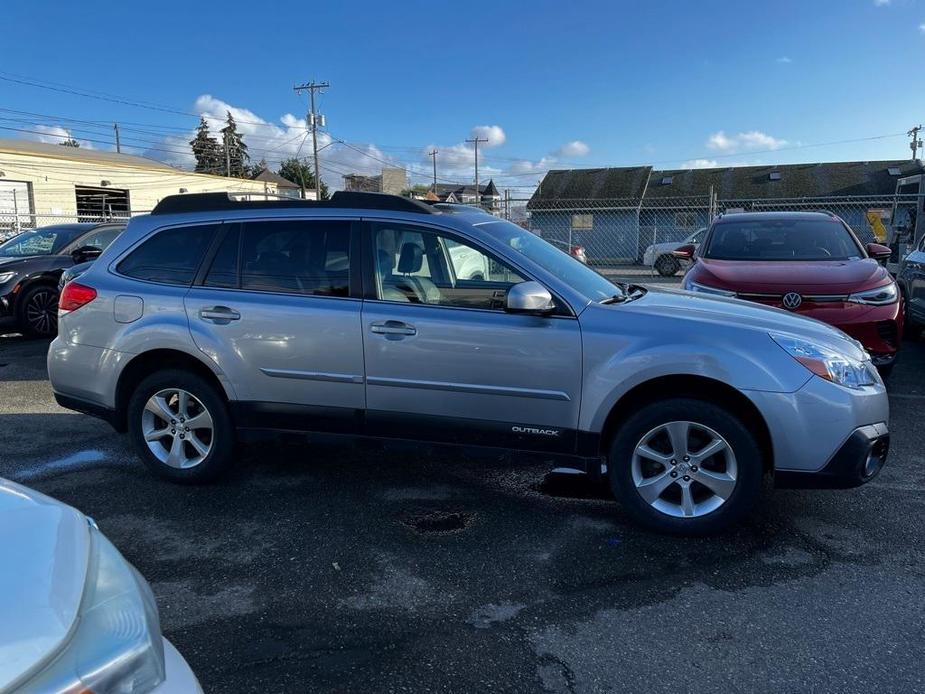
171,256
224,269
425,267
298,257
100,238
782,239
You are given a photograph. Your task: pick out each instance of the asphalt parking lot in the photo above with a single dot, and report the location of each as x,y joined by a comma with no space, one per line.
362,567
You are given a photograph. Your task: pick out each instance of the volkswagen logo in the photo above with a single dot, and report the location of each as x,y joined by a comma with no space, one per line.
792,300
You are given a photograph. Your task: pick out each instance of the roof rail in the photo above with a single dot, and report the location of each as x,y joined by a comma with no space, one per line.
213,202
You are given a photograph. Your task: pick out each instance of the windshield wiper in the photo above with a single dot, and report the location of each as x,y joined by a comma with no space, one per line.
628,292
615,299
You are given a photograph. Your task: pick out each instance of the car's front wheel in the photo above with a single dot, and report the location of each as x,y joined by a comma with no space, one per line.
38,311
685,466
667,265
180,427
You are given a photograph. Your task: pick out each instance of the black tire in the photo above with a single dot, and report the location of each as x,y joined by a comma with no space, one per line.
886,370
745,448
37,311
221,454
667,265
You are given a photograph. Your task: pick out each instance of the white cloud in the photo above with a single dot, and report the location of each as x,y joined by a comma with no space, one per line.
575,148
784,60
750,140
54,135
922,28
700,164
881,3
493,133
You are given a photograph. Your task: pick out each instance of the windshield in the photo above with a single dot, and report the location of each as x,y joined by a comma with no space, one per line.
782,239
45,241
571,271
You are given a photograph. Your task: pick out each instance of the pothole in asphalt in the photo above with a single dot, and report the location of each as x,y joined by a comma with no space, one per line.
435,522
571,486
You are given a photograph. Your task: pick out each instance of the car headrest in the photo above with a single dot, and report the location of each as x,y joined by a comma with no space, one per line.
411,258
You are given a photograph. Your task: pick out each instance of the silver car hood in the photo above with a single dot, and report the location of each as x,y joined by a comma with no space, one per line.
735,313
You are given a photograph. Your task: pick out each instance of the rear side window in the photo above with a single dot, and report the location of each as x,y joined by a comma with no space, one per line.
224,269
171,256
294,257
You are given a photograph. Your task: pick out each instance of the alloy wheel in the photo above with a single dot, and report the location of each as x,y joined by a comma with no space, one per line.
42,312
684,469
177,428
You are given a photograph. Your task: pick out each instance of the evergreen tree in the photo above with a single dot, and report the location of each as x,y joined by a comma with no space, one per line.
70,142
258,168
208,153
236,156
300,173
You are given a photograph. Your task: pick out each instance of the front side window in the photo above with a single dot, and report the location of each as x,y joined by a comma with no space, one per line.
171,256
45,241
582,222
418,266
294,257
782,239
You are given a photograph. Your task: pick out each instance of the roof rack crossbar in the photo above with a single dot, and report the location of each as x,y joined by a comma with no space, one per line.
214,202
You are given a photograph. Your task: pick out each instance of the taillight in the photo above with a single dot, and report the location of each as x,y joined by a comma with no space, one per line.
75,295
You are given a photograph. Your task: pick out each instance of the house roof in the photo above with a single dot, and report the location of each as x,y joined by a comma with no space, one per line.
271,177
824,179
81,154
592,184
445,189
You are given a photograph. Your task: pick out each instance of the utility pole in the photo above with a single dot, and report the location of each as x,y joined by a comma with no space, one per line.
916,141
314,119
227,156
478,192
433,155
115,126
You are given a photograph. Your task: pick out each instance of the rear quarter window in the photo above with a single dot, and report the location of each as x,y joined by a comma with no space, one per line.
171,256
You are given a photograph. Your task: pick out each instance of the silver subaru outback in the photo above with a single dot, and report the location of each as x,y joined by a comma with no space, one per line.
212,320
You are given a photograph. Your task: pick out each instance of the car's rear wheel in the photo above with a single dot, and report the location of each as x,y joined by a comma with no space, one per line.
685,466
667,265
180,427
38,311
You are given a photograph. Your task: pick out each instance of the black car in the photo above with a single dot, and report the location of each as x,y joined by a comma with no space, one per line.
31,264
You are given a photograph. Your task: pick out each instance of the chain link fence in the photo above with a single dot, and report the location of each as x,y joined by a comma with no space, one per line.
14,224
643,232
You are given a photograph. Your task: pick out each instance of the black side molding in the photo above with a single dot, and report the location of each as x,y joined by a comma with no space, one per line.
91,408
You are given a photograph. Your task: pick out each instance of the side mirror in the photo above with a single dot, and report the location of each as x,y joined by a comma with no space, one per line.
85,253
529,297
878,251
685,252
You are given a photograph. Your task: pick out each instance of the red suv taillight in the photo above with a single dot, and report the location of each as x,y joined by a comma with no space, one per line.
75,295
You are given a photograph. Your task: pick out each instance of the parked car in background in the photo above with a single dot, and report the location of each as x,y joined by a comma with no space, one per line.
212,319
77,617
911,279
577,251
809,263
661,255
31,264
72,273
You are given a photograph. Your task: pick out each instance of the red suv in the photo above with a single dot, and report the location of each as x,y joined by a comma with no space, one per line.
810,263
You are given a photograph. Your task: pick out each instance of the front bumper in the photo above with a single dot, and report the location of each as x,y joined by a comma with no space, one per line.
179,678
858,461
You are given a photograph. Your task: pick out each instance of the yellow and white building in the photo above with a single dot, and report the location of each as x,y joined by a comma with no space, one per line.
47,183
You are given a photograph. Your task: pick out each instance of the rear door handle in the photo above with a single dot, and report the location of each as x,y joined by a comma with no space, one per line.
392,327
219,313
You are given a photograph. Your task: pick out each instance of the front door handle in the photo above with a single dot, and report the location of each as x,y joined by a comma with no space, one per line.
393,327
221,314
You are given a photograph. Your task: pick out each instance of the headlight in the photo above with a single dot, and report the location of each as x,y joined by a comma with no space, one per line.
881,296
6,277
694,287
829,364
116,646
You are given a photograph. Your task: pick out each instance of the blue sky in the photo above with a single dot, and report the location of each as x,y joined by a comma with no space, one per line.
554,84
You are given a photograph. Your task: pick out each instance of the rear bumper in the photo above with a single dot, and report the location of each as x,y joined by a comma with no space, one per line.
858,461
